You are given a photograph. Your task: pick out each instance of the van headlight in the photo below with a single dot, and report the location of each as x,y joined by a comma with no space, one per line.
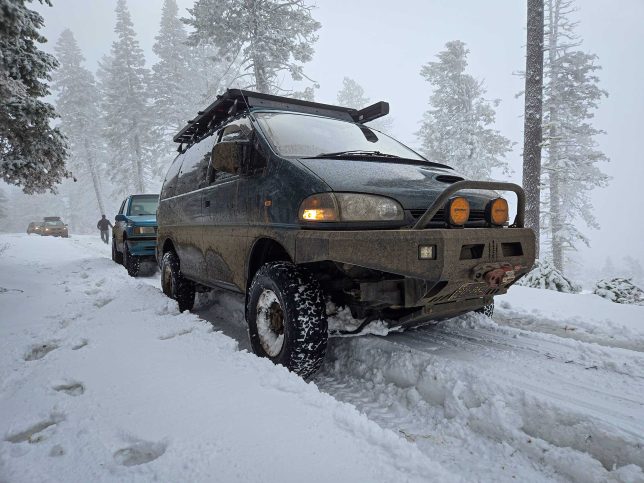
349,207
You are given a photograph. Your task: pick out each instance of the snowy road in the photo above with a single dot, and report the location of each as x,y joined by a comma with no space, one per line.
478,400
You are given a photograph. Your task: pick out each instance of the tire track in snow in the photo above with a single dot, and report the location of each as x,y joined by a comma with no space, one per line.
573,407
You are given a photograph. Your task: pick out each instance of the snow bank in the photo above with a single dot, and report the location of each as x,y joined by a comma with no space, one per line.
583,316
101,379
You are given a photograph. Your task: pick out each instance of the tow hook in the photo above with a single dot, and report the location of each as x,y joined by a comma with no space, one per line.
495,274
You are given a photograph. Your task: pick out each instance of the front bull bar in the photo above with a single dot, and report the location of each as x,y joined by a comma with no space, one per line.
439,203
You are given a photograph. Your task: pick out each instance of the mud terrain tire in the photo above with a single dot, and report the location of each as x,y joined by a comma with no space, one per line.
295,295
174,285
117,256
131,262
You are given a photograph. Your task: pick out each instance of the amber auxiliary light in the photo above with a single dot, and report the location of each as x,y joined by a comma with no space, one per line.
458,211
497,211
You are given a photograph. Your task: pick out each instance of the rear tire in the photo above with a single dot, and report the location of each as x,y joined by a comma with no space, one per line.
117,257
286,317
131,262
174,285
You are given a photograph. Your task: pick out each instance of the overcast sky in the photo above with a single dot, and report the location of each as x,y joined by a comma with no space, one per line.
383,44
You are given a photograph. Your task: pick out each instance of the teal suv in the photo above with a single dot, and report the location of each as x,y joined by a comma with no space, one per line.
134,236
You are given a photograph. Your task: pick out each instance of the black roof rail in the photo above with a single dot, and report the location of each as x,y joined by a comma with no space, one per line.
234,101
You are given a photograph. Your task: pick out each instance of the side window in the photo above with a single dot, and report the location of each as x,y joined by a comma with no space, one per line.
238,130
122,207
171,178
195,165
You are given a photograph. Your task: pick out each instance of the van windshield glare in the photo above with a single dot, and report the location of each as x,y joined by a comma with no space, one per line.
300,135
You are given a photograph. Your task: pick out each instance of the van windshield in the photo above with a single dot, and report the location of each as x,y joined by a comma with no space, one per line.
301,135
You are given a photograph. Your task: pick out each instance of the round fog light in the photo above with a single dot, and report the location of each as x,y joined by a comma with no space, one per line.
458,210
497,212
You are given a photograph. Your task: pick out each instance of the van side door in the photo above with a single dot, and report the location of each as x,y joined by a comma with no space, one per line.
226,223
187,207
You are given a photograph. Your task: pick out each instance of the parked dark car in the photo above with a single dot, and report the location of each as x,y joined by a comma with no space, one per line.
296,204
134,236
53,226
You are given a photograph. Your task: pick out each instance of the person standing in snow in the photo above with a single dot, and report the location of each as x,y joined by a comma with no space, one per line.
104,225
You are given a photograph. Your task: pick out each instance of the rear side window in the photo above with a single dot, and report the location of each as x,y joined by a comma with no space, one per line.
195,165
171,177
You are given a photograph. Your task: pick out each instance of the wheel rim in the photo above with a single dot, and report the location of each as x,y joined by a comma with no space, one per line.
270,323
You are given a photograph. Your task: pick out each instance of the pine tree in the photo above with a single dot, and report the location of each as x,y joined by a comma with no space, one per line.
457,129
266,37
570,169
32,153
77,104
352,95
172,98
126,114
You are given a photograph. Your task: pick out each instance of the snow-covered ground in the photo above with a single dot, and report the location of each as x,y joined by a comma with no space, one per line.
101,378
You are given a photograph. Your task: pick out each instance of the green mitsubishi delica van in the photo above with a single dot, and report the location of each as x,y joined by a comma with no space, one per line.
296,204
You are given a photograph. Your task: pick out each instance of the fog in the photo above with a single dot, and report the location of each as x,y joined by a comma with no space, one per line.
382,45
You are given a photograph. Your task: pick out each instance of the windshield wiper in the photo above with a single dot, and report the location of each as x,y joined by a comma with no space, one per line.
354,152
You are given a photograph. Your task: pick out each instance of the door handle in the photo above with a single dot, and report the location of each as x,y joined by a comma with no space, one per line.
206,203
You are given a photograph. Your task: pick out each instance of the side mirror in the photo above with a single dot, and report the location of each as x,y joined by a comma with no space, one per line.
229,156
120,217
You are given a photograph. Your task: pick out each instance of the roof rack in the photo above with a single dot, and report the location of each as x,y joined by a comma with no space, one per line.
237,100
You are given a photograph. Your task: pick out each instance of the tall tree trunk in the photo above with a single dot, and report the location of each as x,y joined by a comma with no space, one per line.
140,180
533,115
91,165
554,171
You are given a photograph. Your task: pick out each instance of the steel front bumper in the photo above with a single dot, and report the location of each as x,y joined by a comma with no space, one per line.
464,260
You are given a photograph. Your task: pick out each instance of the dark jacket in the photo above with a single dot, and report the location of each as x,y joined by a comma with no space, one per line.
103,224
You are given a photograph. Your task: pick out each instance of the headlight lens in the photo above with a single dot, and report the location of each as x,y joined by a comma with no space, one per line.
143,230
458,209
349,207
497,211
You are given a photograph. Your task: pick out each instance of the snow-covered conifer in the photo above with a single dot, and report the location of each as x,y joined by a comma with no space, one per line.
77,103
32,153
352,95
570,169
126,114
458,127
173,100
544,275
266,37
620,290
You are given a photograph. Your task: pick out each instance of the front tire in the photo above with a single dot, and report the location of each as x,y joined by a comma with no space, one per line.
131,262
286,318
117,257
174,285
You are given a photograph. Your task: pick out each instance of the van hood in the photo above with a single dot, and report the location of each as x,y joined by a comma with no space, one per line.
143,220
414,186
